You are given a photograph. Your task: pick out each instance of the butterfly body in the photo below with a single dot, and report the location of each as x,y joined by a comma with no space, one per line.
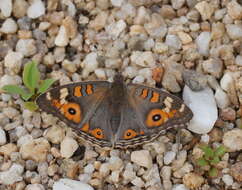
115,114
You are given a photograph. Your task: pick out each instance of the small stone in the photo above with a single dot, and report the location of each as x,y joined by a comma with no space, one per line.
228,180
7,149
116,28
205,9
236,171
160,47
114,177
6,7
213,66
104,170
202,42
62,39
89,64
100,21
169,157
36,149
179,187
170,82
234,10
12,175
177,4
194,80
144,59
193,180
167,12
68,147
115,163
68,184
234,31
100,73
233,140
20,8
13,61
36,9
152,177
166,176
226,81
138,182
238,60
205,138
9,26
203,105
173,41
129,173
228,114
218,30
26,46
35,187
70,66
117,3
221,98
142,158
184,37
89,169
3,139
55,134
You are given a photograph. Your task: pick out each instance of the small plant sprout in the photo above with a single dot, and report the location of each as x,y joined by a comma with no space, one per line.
33,86
211,158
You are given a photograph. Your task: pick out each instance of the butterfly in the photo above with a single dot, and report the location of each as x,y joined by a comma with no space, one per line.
115,114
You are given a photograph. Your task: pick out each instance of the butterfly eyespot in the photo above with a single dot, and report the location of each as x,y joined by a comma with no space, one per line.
98,133
129,134
156,117
72,111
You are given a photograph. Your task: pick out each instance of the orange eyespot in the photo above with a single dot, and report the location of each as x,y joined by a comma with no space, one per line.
98,133
129,134
72,112
78,91
89,89
156,117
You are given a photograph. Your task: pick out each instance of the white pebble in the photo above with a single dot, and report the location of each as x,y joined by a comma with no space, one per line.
138,182
8,79
68,184
179,187
142,158
61,39
34,187
36,9
173,41
12,175
115,29
138,80
3,139
205,138
6,7
228,180
89,169
100,73
226,81
89,64
238,60
221,98
13,61
9,26
234,31
144,59
68,147
26,47
202,42
204,108
169,157
233,140
117,3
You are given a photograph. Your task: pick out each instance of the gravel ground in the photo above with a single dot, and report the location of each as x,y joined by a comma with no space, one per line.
188,47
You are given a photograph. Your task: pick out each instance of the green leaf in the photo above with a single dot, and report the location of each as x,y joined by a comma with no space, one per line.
202,162
14,89
213,172
31,76
30,106
208,152
45,84
215,160
220,151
